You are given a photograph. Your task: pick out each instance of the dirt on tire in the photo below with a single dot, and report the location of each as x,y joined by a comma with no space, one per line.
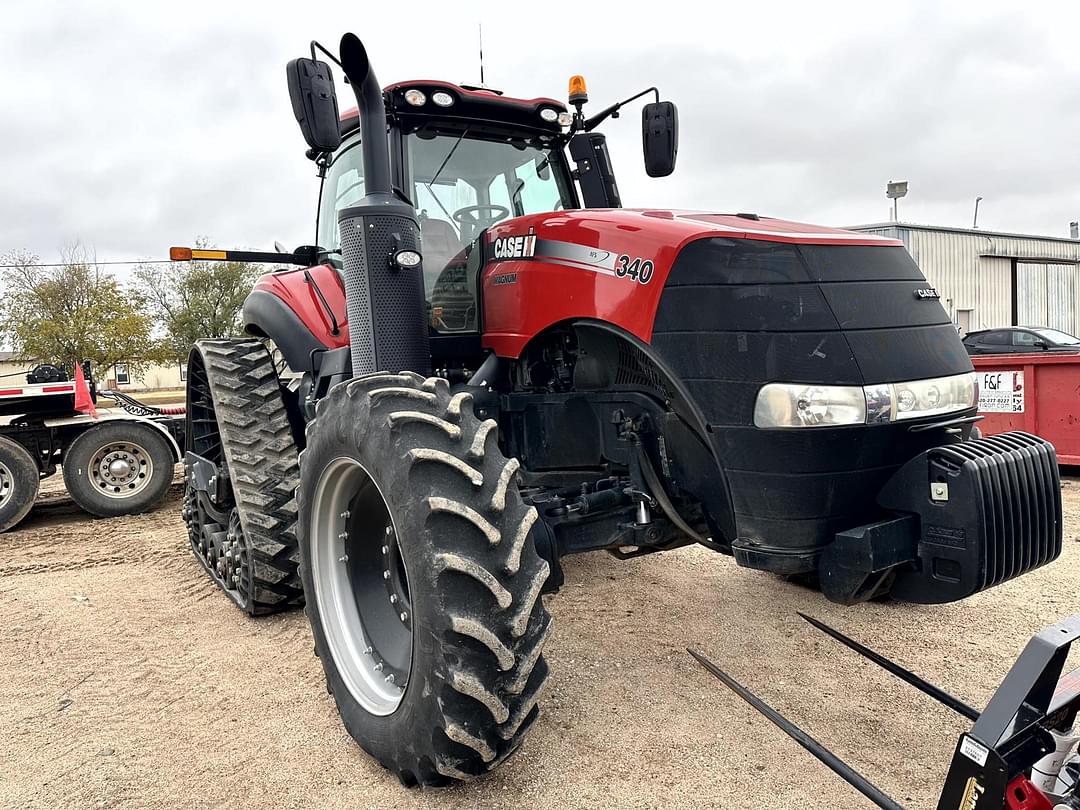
127,679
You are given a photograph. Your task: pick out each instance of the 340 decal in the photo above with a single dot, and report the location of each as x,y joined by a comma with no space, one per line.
640,270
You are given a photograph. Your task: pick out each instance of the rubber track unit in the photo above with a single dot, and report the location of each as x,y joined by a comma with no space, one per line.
261,457
475,578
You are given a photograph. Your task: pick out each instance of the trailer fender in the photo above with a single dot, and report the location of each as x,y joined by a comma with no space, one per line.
84,421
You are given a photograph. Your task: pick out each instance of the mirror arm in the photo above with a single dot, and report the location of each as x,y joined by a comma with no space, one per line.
330,56
603,115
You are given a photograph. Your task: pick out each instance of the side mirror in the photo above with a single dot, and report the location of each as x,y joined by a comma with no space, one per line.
314,103
1040,344
660,137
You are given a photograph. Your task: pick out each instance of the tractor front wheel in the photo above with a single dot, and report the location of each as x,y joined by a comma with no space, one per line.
422,581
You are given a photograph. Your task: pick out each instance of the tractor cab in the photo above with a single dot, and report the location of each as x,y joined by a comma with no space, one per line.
466,159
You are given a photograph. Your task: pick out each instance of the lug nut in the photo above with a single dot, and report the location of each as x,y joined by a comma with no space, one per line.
393,599
404,616
386,549
386,575
378,667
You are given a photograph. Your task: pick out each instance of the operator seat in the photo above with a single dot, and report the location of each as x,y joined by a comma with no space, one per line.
439,244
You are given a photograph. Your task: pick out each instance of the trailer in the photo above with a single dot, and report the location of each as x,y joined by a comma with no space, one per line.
117,461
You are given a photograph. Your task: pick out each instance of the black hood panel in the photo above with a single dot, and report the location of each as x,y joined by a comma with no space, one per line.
746,311
736,314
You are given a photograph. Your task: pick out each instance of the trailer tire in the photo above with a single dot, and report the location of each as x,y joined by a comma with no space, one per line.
118,468
419,567
19,482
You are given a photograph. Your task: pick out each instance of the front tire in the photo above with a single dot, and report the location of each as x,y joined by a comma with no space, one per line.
422,582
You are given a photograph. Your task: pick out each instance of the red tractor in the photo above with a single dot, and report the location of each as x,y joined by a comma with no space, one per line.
486,364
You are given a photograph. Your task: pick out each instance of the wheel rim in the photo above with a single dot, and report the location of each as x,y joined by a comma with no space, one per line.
7,484
361,586
121,469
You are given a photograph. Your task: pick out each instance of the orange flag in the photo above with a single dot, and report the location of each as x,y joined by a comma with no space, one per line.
84,403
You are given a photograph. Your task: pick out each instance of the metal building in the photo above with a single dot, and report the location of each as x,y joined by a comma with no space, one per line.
988,279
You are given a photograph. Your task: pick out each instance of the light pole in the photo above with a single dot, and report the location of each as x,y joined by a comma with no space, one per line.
894,191
975,221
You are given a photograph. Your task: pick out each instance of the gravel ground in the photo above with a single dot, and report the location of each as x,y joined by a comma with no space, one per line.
127,680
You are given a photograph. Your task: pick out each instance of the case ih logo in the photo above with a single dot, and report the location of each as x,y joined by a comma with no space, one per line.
927,293
515,247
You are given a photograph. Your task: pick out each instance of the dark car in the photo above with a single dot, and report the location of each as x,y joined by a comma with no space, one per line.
1013,339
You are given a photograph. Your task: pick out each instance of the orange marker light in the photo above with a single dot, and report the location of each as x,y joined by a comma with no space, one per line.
578,91
179,254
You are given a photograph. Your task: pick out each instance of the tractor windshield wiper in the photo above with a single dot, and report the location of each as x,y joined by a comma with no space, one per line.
434,179
446,159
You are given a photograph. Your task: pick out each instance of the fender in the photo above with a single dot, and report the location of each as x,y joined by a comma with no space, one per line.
300,310
615,358
104,416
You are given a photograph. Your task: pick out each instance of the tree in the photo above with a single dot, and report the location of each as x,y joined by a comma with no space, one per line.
73,312
193,300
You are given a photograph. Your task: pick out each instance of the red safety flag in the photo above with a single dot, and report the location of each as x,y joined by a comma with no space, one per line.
84,403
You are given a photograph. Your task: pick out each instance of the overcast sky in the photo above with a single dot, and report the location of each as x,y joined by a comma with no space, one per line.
132,127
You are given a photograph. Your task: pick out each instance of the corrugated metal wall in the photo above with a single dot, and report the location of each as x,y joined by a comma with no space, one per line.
972,270
1046,295
993,306
1031,293
1061,309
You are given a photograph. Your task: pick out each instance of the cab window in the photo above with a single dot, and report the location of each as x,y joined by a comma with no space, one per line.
463,183
343,187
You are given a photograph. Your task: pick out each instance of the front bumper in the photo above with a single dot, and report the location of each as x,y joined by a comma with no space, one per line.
967,516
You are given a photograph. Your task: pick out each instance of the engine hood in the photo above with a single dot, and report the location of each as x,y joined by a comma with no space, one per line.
673,228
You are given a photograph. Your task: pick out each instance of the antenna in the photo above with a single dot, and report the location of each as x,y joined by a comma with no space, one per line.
481,27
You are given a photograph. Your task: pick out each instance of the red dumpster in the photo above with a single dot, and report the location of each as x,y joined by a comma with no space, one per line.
1037,393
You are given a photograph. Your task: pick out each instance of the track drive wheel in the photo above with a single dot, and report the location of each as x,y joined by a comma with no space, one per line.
245,539
423,585
19,481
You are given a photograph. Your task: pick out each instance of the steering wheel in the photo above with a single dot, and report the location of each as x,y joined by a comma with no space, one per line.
467,216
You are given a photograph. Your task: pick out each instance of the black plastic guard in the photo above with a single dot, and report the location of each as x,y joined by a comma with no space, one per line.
989,510
387,313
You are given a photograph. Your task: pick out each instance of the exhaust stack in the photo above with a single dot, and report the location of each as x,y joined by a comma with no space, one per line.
384,296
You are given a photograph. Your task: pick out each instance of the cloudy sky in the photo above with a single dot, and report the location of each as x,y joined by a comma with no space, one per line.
131,127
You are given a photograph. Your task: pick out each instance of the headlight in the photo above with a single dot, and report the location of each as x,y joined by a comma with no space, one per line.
783,405
932,397
786,405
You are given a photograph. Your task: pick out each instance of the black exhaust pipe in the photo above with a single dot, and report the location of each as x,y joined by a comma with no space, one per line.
369,100
388,323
